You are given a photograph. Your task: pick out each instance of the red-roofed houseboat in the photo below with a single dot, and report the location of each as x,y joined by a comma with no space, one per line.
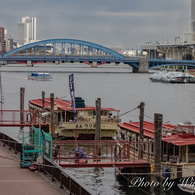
86,118
178,146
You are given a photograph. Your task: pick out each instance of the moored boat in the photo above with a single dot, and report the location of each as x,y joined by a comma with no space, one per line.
187,188
86,118
39,76
178,146
172,77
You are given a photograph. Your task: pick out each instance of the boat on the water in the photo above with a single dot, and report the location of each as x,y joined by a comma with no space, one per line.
178,146
172,77
39,76
187,188
86,118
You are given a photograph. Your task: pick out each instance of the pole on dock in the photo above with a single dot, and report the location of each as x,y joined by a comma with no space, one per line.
52,114
158,118
141,128
22,91
43,100
98,124
98,119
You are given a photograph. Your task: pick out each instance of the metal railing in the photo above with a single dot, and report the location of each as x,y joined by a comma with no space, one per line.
93,120
20,118
10,143
110,150
66,180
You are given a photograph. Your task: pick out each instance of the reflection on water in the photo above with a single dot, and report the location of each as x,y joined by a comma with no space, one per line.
102,181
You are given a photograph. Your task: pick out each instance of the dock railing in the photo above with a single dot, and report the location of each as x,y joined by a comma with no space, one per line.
67,181
20,118
11,143
103,150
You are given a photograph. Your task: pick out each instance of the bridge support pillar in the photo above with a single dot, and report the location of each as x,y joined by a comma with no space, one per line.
94,65
57,62
135,70
143,65
29,63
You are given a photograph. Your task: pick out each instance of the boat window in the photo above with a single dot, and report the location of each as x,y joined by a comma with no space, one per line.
90,113
40,74
34,74
104,113
191,149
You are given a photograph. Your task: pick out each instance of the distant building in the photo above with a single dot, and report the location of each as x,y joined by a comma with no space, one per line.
118,49
2,40
9,44
193,20
26,30
177,50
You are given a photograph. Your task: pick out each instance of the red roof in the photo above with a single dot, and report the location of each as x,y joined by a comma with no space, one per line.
64,105
175,138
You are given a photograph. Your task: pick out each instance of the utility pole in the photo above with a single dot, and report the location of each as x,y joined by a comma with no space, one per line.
141,119
98,120
22,91
52,114
158,118
141,128
43,100
98,124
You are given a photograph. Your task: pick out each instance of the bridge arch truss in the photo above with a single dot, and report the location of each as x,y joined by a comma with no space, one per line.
63,49
158,63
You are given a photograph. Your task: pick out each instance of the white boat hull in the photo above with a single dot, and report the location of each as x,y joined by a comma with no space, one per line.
186,188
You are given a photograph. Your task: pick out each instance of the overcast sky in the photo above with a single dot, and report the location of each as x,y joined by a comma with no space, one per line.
125,23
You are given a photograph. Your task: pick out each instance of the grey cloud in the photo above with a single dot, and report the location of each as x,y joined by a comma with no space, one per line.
126,23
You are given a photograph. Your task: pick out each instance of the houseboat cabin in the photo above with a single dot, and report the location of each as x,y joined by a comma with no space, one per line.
86,118
178,146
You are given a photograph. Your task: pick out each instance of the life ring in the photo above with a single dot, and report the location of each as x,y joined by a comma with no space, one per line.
179,79
192,80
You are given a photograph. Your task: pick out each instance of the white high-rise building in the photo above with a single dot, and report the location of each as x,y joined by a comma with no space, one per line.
26,30
193,19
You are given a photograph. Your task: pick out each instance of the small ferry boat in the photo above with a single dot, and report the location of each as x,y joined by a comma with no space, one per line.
178,146
39,76
172,77
86,118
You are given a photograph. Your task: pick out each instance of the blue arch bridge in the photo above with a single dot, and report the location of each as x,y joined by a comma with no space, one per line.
72,50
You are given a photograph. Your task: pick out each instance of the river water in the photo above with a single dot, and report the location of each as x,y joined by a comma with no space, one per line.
117,87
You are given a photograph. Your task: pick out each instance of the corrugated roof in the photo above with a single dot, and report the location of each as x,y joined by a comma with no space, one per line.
176,139
64,105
